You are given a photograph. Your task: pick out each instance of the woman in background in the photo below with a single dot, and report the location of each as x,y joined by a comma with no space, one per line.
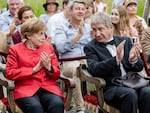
121,24
135,20
51,7
90,11
99,6
25,13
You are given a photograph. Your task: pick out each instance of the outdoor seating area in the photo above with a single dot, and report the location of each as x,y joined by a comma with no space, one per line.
75,56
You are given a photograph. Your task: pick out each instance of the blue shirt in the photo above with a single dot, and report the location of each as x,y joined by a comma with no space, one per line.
5,20
45,18
63,37
56,20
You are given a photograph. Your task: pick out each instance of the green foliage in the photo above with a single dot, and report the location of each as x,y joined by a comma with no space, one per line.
140,6
3,4
37,5
38,9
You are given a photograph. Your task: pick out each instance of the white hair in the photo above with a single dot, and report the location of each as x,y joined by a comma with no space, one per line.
20,1
101,17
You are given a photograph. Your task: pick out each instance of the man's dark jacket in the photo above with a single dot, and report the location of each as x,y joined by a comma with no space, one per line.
102,64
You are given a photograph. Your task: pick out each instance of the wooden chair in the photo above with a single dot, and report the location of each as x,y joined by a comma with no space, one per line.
68,83
99,83
147,70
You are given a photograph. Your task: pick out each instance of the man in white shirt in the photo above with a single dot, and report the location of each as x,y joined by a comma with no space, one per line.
57,19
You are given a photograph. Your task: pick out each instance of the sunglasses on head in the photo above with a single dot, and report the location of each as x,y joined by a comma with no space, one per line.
132,4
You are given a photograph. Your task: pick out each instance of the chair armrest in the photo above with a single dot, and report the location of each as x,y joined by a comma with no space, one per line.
9,85
99,83
69,86
69,82
86,76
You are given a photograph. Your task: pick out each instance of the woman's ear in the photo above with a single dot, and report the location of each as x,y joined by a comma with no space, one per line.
27,36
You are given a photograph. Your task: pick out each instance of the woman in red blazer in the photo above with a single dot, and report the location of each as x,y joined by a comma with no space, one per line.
34,67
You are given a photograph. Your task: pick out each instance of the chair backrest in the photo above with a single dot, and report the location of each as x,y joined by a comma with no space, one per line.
4,46
145,64
3,54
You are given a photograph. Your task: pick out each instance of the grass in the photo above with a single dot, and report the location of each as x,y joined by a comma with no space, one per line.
38,9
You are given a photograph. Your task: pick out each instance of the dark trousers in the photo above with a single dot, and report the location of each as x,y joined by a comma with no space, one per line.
43,101
128,100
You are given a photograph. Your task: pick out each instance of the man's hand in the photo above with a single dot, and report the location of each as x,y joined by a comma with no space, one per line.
79,35
16,20
120,52
135,52
81,28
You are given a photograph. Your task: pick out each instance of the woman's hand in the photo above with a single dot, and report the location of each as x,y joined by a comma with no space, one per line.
46,60
38,67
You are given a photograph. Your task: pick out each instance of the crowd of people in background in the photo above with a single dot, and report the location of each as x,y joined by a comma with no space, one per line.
69,27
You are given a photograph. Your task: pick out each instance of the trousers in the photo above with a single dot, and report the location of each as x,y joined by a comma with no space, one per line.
43,101
128,100
68,69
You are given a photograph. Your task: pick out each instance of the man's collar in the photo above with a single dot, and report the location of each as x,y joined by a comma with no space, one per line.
111,41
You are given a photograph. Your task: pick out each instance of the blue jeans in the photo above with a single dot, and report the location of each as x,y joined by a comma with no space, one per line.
43,101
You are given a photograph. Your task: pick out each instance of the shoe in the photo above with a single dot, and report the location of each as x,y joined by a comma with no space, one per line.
80,111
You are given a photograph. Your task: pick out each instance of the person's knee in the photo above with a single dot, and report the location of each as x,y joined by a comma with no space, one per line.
35,105
145,94
56,107
32,107
131,96
57,103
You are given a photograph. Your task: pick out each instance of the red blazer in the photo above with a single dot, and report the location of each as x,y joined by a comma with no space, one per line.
20,63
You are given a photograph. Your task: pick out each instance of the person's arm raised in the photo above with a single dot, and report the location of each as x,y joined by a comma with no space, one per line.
120,52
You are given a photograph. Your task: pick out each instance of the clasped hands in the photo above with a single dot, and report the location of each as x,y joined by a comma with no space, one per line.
134,52
45,61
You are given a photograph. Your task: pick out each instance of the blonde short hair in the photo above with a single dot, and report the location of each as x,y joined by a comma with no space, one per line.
32,26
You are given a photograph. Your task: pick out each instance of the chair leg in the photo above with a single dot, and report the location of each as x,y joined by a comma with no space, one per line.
1,92
11,100
84,87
